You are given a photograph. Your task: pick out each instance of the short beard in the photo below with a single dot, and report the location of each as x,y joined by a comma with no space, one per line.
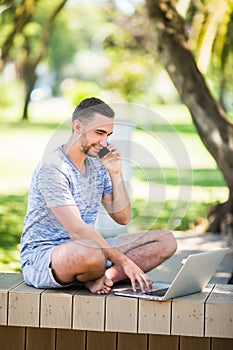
85,147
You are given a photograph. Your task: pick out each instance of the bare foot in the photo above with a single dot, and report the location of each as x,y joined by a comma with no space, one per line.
100,286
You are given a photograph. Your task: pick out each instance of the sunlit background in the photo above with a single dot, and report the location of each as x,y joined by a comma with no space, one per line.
105,49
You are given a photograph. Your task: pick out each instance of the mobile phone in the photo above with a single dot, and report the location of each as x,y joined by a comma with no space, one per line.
103,152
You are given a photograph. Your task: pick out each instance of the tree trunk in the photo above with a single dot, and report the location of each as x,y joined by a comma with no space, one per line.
29,68
213,126
29,76
26,104
222,90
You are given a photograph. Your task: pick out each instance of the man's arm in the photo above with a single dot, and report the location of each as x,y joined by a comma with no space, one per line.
117,203
70,218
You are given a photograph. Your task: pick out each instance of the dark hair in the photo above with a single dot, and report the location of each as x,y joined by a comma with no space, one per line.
86,108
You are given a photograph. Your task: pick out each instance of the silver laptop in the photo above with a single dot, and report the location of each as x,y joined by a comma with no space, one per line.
193,276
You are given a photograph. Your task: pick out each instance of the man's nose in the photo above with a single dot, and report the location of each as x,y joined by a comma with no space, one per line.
104,141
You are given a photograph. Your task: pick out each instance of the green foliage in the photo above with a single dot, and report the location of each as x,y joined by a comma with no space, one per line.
12,213
148,215
131,70
129,75
78,90
120,46
25,41
63,44
170,176
211,39
11,92
27,38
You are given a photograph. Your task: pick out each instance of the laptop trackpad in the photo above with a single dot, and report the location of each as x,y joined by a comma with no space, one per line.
160,285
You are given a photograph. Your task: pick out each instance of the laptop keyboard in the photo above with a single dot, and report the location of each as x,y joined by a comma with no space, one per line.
158,293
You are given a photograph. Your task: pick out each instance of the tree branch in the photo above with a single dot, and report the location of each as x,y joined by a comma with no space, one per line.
22,16
46,32
211,121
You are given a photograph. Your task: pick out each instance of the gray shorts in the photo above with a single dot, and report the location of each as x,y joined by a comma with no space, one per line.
37,270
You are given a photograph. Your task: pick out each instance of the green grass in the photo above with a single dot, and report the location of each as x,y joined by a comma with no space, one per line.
168,214
12,213
199,177
22,146
180,128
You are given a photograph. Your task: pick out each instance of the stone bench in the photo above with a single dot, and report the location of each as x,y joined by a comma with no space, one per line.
42,319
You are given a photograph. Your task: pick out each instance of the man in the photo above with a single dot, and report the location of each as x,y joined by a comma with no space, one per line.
59,245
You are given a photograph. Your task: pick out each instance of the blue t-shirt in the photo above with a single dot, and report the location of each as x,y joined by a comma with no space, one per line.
57,182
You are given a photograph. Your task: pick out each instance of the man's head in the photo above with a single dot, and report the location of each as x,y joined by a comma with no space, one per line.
86,109
92,124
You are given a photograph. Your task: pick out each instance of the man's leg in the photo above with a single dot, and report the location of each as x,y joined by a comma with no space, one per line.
148,250
80,260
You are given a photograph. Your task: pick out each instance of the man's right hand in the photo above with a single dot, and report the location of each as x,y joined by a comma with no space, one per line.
136,275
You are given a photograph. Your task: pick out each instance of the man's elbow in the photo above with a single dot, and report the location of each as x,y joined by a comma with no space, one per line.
123,219
124,222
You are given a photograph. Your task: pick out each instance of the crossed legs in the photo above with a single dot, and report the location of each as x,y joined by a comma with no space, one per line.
148,250
85,261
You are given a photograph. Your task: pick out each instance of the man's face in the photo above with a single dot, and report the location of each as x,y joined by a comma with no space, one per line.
94,134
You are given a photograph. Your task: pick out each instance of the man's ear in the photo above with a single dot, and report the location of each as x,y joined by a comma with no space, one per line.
76,126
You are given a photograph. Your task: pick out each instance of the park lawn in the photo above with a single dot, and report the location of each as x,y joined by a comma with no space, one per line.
12,213
22,146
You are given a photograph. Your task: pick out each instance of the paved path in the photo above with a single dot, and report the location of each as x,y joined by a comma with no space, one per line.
189,243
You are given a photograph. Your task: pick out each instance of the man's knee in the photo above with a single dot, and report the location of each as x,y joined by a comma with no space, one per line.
83,258
91,253
93,260
170,244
